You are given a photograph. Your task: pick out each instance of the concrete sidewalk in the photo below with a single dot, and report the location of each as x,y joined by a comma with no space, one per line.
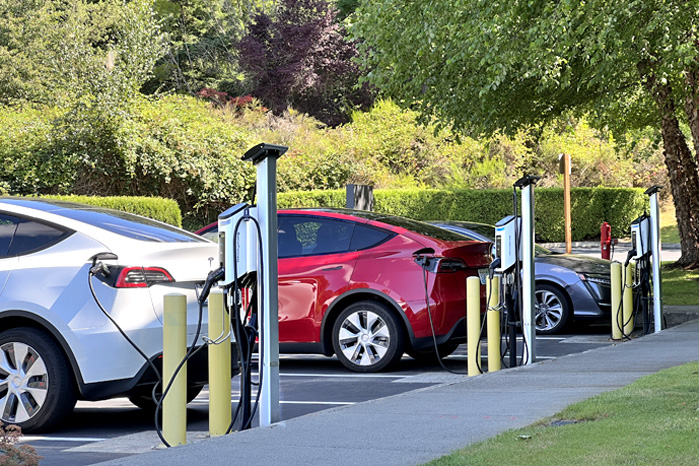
422,425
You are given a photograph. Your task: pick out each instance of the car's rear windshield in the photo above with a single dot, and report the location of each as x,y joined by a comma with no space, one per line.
132,226
420,227
122,223
412,225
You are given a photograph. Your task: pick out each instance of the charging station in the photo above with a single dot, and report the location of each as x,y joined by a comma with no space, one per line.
248,260
514,261
646,254
640,239
656,253
506,249
526,185
264,157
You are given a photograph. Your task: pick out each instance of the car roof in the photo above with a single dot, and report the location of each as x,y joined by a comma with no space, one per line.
395,223
87,217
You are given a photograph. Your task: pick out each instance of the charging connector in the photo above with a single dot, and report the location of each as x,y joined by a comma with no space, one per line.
213,277
424,258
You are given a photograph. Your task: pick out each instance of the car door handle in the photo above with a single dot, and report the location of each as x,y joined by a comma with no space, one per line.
332,268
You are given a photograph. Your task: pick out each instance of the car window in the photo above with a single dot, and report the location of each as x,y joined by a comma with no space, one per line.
31,236
365,237
314,235
8,225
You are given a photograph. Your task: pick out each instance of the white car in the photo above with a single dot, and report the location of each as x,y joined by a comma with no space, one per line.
56,345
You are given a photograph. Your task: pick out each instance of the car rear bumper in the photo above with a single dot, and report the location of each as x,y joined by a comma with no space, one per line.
456,334
197,376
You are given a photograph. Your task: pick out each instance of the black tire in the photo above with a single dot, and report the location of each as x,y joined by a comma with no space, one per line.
367,337
146,403
429,355
36,385
552,310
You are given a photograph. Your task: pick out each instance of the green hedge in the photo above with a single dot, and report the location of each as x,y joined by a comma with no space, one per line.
157,208
589,207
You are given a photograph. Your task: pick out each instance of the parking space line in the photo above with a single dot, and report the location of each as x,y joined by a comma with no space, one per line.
35,438
329,403
349,374
317,402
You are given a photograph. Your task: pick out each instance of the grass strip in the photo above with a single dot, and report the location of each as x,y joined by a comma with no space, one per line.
654,421
679,287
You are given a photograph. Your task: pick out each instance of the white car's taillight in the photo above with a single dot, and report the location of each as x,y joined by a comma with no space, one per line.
142,277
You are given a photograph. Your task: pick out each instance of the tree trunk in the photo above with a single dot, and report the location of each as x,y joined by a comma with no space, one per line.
682,169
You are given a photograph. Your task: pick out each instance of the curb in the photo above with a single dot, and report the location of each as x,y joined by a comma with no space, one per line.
676,315
594,245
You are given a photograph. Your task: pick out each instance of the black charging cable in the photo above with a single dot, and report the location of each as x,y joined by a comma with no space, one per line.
101,268
432,264
245,331
434,336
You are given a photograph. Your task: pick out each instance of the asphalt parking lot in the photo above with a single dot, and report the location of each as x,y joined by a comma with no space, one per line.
111,429
106,430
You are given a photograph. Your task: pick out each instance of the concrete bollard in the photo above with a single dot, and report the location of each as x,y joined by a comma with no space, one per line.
219,366
473,324
174,350
492,291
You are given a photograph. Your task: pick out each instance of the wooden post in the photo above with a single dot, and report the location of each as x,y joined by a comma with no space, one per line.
564,165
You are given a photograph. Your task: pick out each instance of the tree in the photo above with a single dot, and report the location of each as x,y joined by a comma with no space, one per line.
482,65
301,58
86,58
200,52
62,52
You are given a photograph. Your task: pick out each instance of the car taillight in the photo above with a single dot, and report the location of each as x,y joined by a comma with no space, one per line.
142,277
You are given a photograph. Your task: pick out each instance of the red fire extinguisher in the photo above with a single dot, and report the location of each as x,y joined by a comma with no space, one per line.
605,239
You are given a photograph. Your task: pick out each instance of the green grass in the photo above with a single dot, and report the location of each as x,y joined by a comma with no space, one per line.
669,234
654,421
668,226
680,287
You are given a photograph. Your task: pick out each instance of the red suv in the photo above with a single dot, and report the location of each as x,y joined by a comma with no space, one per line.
350,284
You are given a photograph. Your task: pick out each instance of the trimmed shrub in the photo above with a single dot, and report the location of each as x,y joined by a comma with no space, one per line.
589,206
157,208
318,198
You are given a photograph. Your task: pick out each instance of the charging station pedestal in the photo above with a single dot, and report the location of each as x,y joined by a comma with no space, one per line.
655,251
514,251
264,157
526,184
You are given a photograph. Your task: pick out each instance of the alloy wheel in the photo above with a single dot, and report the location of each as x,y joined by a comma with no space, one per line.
549,311
364,338
23,382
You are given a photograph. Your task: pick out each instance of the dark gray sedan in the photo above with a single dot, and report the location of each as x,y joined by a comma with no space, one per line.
568,286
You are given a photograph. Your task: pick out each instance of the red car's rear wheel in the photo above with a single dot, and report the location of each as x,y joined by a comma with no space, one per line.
367,337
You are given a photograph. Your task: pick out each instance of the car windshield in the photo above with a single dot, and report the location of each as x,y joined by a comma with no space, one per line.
122,223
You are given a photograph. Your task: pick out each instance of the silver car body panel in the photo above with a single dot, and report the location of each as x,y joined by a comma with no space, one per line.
52,284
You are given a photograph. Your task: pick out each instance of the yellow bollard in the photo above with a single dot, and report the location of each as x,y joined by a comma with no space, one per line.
492,291
174,350
616,301
473,324
628,301
219,366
